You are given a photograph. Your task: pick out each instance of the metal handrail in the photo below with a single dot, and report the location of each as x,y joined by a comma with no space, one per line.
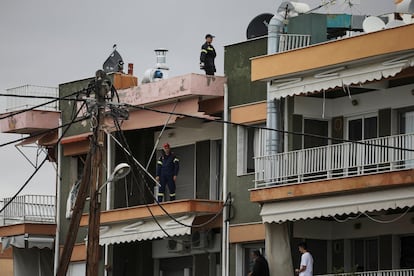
335,161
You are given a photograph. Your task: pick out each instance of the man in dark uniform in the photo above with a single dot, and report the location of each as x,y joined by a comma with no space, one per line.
260,266
207,56
167,171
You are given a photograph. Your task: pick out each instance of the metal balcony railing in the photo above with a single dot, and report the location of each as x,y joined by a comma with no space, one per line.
29,209
16,103
293,41
394,272
335,161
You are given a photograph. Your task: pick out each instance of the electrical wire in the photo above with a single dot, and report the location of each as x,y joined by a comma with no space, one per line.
155,199
24,185
41,164
80,119
140,107
43,104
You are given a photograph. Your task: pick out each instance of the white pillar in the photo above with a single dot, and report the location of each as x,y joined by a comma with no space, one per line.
278,250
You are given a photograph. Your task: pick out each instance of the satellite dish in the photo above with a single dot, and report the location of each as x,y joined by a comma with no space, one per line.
258,26
372,24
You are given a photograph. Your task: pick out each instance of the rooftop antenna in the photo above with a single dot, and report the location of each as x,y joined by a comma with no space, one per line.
114,62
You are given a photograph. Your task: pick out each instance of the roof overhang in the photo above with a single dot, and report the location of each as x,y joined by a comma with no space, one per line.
363,47
318,207
340,76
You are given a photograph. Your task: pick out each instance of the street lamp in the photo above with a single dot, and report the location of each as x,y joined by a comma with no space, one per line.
120,171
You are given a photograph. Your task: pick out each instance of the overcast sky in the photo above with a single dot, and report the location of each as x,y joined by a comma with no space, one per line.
47,42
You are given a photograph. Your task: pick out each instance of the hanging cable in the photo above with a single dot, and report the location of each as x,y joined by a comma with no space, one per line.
149,189
24,185
388,221
11,114
139,107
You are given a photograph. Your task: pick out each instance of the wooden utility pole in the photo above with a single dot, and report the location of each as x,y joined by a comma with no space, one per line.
102,85
92,179
75,220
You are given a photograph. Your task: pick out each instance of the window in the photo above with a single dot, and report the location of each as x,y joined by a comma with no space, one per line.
365,254
251,142
362,128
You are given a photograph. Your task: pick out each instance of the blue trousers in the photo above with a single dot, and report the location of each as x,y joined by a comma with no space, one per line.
166,181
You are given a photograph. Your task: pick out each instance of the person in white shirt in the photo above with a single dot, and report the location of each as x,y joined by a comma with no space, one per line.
306,261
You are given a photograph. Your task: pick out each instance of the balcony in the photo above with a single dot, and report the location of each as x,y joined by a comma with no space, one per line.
383,154
29,209
293,41
40,119
394,272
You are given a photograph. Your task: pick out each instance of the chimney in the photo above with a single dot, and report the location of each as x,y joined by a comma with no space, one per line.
130,69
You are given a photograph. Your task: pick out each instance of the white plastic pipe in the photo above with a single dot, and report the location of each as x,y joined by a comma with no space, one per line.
109,165
57,203
225,236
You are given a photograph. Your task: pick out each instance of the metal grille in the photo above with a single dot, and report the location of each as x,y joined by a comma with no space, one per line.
16,103
293,41
29,208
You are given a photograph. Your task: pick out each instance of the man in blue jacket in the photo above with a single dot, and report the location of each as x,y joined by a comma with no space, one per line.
167,171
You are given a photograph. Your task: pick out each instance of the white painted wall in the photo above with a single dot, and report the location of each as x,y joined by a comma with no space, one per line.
370,102
331,230
181,136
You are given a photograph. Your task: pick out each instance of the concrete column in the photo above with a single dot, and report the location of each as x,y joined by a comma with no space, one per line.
347,255
278,250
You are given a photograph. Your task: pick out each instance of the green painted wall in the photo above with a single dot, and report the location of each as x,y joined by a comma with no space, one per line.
311,24
242,91
237,69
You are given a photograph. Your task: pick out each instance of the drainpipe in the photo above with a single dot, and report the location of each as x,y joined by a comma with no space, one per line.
57,207
275,28
225,228
108,204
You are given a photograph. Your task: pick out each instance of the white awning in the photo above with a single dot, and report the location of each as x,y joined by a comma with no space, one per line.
341,76
337,205
145,230
28,241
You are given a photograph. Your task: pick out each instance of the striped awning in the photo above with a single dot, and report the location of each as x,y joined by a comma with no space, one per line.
140,230
310,208
342,75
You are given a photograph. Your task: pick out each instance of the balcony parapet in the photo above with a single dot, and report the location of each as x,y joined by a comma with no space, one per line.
384,154
38,209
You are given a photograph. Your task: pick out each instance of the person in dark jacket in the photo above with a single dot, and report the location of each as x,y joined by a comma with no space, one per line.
168,166
207,56
260,266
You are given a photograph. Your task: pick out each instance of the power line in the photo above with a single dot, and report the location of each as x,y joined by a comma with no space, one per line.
40,105
39,97
140,107
45,131
149,189
24,185
41,164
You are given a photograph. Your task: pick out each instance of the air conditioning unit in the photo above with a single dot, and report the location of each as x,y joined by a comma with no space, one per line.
201,240
178,246
175,246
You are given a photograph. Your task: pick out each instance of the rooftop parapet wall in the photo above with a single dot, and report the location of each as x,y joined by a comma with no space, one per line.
173,88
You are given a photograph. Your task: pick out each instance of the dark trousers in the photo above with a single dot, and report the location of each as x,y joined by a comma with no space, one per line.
209,71
166,181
